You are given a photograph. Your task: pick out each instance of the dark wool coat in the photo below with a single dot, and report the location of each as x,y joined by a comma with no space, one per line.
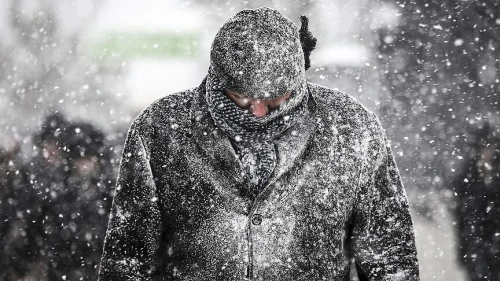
179,212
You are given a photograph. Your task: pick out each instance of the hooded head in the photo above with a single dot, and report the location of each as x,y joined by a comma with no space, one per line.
258,53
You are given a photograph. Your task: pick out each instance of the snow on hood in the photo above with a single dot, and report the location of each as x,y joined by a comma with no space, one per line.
259,54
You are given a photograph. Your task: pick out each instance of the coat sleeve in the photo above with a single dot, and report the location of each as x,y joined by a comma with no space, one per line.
383,237
132,238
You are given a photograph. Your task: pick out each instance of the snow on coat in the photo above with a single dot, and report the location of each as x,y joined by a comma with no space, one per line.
336,194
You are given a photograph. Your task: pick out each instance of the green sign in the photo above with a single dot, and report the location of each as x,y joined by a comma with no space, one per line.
157,45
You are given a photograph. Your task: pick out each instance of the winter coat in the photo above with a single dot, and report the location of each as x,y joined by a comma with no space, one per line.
17,217
179,212
55,211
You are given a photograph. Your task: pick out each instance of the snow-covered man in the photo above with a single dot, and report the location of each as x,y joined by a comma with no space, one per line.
257,174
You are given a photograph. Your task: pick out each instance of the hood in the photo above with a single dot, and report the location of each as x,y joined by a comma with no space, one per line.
258,53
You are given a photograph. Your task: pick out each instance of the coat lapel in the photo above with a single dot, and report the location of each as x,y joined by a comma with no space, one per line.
211,140
216,145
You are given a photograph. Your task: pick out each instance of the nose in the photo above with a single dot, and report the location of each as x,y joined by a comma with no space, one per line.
258,108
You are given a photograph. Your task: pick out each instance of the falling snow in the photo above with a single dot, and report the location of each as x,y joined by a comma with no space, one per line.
99,139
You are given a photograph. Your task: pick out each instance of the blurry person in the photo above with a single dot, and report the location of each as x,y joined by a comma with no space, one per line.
17,245
48,162
23,245
258,174
75,217
70,172
47,173
477,210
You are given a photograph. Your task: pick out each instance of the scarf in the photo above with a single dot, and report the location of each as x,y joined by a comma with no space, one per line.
252,137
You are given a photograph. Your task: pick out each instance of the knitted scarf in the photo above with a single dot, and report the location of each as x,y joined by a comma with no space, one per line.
252,136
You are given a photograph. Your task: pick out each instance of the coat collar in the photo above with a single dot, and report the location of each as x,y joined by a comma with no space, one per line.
216,145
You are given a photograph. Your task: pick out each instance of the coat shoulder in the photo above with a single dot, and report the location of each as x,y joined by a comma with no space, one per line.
336,105
344,118
171,110
167,116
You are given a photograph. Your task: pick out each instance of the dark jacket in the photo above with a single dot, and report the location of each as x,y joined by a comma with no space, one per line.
477,213
179,212
70,179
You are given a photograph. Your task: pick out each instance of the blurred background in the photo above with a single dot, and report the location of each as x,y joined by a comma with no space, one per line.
74,74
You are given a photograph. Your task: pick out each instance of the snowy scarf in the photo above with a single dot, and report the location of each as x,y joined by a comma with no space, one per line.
257,53
252,136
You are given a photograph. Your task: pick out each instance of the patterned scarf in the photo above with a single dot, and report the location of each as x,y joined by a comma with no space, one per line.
251,136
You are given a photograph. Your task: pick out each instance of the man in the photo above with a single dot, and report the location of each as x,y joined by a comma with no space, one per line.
17,203
258,175
76,216
477,211
70,177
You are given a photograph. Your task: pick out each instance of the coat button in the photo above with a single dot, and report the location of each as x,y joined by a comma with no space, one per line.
257,219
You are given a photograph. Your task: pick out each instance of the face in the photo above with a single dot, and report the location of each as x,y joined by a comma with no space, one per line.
487,154
51,152
86,166
258,107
